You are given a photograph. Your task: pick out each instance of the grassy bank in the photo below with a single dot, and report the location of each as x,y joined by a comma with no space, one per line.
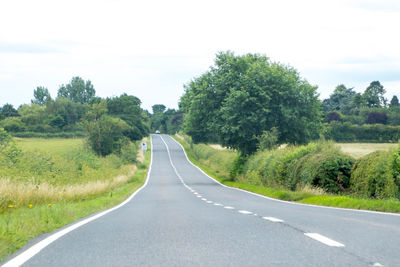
304,194
78,184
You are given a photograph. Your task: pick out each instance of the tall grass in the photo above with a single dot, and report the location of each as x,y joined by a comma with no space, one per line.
56,170
42,204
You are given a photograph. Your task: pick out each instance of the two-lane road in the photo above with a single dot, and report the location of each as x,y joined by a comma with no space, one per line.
184,218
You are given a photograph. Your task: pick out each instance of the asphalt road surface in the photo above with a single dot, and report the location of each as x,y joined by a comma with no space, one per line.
184,218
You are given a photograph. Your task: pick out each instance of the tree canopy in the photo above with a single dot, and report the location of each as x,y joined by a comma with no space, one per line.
78,91
41,96
240,97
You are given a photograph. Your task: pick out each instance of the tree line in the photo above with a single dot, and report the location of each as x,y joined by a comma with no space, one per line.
109,124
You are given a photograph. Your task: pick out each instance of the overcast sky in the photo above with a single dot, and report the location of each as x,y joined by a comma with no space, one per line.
151,48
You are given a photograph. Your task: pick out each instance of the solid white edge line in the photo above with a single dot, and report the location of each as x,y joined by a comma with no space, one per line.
35,249
325,240
278,200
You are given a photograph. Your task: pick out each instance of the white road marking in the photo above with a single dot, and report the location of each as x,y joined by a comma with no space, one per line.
199,196
229,208
209,202
205,199
377,264
325,240
195,193
218,204
279,200
272,219
35,249
245,212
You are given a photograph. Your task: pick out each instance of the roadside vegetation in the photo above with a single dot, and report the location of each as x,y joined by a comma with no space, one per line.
317,173
48,183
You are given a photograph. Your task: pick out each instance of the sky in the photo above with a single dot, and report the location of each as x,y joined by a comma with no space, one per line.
151,48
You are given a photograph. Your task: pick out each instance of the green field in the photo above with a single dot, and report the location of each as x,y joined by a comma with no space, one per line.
57,181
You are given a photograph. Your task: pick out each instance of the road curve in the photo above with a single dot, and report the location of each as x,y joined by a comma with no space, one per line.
184,218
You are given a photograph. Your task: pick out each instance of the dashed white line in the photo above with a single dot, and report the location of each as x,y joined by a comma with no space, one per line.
272,219
205,199
209,202
325,240
229,208
218,204
199,196
245,212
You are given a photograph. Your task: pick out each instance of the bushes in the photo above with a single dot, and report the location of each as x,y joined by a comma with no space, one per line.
373,176
318,164
329,170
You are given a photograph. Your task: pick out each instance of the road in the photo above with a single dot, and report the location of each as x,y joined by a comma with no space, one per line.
184,218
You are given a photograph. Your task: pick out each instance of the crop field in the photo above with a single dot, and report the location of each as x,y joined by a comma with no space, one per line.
358,150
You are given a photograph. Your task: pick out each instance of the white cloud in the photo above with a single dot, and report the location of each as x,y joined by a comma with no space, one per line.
150,48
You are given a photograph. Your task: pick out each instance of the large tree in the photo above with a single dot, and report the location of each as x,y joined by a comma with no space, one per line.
243,96
78,91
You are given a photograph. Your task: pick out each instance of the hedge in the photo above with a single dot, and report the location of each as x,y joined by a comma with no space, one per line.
371,133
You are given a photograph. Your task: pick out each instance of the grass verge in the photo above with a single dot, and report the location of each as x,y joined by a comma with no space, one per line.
305,197
19,226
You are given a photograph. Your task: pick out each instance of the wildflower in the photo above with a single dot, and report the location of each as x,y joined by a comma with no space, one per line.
49,205
10,206
30,206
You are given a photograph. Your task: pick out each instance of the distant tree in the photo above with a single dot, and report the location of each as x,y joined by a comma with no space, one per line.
341,99
377,117
394,102
78,91
8,110
358,101
63,112
159,108
33,114
127,108
41,96
105,133
374,95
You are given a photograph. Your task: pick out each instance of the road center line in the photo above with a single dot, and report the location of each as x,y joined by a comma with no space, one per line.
245,212
325,240
272,219
229,208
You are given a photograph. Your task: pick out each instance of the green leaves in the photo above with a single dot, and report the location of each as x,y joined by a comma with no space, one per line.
243,96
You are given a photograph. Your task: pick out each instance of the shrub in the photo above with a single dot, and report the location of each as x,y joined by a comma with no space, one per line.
328,169
13,124
377,117
9,152
372,176
333,116
269,139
